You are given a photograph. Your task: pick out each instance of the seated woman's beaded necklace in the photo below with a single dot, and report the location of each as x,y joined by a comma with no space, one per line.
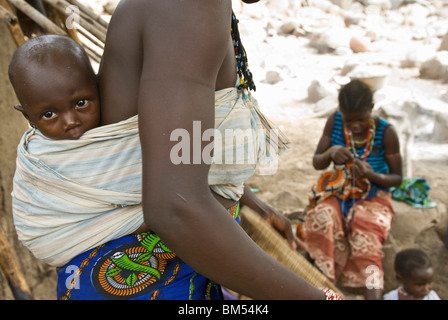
351,143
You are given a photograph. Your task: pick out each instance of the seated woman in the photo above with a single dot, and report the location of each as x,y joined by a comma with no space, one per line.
350,212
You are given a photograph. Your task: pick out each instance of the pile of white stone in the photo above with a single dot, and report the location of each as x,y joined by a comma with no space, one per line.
375,39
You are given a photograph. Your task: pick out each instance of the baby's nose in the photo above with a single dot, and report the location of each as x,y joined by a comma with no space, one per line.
70,119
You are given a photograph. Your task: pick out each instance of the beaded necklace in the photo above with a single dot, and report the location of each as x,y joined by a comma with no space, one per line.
273,135
350,141
350,145
244,74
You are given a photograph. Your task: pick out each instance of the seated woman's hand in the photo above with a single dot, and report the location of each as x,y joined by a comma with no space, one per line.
340,154
362,169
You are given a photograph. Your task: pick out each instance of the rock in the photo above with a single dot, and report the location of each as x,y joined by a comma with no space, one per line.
425,118
273,77
327,41
317,91
395,4
348,66
288,27
344,4
352,19
435,67
326,106
416,14
372,35
358,44
444,43
383,4
415,58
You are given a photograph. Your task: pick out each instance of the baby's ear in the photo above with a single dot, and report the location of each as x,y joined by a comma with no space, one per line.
18,107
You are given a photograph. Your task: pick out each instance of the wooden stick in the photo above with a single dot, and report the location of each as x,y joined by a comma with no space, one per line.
84,20
94,25
37,17
13,23
92,39
93,54
11,268
90,13
58,14
60,18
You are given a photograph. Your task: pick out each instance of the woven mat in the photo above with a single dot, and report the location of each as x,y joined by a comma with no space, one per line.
277,247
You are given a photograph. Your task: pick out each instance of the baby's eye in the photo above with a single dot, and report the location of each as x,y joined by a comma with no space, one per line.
48,115
81,103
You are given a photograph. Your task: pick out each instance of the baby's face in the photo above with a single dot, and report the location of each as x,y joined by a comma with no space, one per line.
419,282
63,103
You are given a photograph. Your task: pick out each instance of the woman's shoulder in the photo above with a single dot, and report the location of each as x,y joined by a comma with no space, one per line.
383,121
334,116
331,119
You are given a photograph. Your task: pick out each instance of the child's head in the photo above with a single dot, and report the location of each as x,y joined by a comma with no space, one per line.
414,270
356,104
56,86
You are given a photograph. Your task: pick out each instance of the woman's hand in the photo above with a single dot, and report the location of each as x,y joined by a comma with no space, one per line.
362,169
277,220
340,154
283,226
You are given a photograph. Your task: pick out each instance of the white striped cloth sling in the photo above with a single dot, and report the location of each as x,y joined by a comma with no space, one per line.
72,195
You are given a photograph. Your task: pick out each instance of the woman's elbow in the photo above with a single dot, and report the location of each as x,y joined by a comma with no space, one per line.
318,164
157,212
166,213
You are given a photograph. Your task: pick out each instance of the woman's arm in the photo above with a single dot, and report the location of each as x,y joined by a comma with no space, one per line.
393,159
325,153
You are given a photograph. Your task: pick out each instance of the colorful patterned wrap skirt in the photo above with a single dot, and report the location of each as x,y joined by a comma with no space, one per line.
349,248
134,267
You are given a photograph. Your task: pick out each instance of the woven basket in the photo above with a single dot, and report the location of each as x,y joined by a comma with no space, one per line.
278,248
